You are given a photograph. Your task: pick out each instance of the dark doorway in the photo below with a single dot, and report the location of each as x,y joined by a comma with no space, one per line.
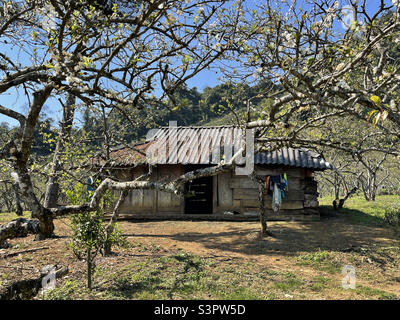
199,194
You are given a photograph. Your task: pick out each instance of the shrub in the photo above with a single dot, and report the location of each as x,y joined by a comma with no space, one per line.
392,215
89,232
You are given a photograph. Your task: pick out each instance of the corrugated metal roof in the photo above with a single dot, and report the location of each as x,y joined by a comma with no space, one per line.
205,145
293,158
194,145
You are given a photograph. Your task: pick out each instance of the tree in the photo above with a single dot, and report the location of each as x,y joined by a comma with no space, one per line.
113,56
107,56
326,77
364,150
88,239
90,236
323,73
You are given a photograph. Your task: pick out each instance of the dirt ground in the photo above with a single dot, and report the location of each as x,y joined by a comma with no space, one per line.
310,250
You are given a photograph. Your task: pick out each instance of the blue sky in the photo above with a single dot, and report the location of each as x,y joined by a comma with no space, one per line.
207,78
17,100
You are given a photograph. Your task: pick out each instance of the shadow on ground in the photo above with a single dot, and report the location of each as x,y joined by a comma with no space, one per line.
335,232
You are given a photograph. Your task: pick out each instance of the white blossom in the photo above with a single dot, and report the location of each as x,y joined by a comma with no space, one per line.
14,175
289,39
49,17
73,80
57,68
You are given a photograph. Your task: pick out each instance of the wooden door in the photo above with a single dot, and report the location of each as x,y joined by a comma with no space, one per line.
199,195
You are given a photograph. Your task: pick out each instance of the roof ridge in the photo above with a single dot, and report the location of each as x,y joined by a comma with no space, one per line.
128,145
205,127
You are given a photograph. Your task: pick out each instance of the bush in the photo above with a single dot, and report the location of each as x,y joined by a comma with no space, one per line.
392,215
90,234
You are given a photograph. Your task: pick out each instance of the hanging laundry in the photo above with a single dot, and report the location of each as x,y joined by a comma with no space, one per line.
276,186
286,180
276,198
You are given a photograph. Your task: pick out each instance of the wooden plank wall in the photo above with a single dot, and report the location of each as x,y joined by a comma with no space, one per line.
166,201
136,198
239,193
231,192
151,201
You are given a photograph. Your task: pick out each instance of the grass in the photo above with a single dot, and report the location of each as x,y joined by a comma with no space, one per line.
178,276
66,291
8,216
320,260
183,275
320,283
238,266
372,293
363,212
289,283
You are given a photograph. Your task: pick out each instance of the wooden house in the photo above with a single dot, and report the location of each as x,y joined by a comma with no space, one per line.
173,152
